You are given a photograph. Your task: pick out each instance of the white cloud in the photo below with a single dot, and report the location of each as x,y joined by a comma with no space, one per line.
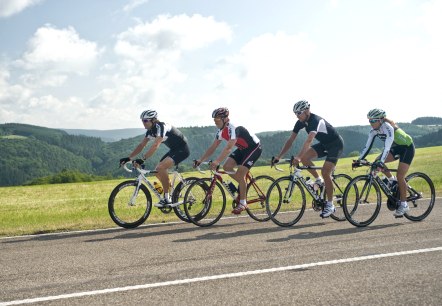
133,4
12,7
59,50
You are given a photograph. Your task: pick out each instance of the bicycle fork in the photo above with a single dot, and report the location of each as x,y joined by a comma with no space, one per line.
134,196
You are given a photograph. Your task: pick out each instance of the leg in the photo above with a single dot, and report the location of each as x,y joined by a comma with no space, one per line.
239,176
326,172
401,173
307,161
162,174
390,158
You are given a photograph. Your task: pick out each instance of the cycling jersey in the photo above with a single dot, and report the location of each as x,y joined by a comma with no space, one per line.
390,136
172,137
325,132
244,139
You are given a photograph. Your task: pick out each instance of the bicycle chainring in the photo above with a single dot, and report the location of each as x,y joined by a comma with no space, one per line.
317,206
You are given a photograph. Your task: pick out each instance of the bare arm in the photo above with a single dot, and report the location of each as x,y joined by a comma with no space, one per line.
139,148
306,146
226,151
157,142
210,150
288,144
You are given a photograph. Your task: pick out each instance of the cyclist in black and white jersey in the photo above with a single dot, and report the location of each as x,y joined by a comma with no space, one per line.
244,157
167,134
398,145
330,144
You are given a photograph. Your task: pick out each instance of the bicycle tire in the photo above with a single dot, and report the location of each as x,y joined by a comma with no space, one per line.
361,205
256,198
122,212
178,195
340,182
283,212
420,196
203,206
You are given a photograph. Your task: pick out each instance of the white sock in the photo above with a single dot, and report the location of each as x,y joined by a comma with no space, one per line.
329,203
243,202
166,196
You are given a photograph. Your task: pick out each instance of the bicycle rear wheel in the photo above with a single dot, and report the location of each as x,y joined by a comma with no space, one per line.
127,207
256,197
204,204
178,197
340,181
361,201
285,203
420,196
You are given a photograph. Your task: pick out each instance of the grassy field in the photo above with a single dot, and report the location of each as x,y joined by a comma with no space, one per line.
80,206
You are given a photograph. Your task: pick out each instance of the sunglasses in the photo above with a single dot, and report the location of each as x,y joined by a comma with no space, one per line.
146,120
374,120
298,113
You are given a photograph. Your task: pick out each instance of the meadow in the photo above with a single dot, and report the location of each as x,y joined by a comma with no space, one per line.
27,210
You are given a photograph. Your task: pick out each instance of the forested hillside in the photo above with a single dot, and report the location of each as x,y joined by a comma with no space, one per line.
29,152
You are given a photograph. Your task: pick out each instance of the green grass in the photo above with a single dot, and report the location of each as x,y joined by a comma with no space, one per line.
80,206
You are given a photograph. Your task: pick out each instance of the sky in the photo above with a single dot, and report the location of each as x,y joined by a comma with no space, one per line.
98,64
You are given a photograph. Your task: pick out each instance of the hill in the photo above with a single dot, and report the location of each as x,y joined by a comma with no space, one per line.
29,152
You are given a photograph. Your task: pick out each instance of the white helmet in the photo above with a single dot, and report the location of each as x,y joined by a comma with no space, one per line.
301,106
148,114
376,113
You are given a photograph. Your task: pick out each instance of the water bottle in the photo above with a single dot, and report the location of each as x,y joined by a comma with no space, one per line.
158,187
230,186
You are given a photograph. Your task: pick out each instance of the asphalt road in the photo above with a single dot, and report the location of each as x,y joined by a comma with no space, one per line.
236,262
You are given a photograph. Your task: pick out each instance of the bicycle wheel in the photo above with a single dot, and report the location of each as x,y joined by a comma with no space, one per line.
204,204
256,197
285,203
128,207
361,201
420,196
340,181
178,197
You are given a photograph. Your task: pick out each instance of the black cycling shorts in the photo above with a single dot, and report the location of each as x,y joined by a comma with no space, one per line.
333,150
246,157
178,155
405,154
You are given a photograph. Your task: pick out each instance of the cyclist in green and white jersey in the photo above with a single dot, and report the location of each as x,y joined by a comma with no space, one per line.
398,145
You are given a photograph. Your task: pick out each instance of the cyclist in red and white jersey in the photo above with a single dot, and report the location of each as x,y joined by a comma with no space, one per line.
244,157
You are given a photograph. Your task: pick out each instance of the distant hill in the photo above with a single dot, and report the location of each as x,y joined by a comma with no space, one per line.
107,135
28,152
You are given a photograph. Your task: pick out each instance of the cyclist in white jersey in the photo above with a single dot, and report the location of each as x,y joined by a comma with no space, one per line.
244,157
330,145
167,134
398,145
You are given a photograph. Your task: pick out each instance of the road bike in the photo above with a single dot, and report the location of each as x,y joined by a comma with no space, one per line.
130,202
286,200
205,199
362,197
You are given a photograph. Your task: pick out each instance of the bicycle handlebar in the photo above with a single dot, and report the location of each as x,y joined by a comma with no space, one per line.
139,169
217,171
290,160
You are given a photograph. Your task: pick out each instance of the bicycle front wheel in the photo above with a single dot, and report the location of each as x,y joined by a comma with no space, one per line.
178,197
340,182
204,204
420,196
256,197
285,203
129,207
361,201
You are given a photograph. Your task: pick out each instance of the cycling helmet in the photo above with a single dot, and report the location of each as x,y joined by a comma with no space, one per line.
376,113
301,106
148,114
222,112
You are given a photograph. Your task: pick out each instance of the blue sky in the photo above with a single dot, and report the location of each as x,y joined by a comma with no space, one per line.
98,64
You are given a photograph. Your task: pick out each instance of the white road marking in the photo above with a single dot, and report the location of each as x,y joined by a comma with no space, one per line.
215,277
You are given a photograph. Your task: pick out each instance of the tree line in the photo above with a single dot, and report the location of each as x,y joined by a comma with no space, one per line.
28,152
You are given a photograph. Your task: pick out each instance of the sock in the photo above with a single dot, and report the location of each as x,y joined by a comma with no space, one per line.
243,202
166,196
329,203
392,179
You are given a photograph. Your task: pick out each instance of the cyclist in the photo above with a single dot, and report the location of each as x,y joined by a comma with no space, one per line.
161,132
330,144
244,157
398,144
